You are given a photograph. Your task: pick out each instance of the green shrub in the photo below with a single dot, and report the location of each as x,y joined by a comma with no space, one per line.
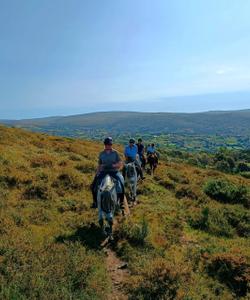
135,233
212,221
222,221
232,270
239,219
68,180
173,230
42,161
87,167
245,174
157,280
71,205
37,191
223,166
186,192
242,167
227,192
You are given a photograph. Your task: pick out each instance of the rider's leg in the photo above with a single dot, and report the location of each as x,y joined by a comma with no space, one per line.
139,169
94,192
100,217
118,176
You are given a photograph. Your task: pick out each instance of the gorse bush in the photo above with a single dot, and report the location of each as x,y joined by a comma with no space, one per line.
135,233
68,180
213,221
224,191
37,191
233,270
186,192
222,221
158,280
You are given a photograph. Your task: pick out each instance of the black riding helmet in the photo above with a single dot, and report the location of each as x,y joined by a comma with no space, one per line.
132,141
108,141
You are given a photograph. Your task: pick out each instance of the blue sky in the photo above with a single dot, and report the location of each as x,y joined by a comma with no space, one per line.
65,57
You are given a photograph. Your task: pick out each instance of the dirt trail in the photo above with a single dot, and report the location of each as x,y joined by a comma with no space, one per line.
118,273
117,268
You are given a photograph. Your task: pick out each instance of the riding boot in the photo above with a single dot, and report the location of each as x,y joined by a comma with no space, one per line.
94,196
94,192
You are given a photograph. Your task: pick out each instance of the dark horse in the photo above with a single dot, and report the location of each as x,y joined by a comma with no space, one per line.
152,160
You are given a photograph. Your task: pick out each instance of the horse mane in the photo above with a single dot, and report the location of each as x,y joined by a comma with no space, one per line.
107,183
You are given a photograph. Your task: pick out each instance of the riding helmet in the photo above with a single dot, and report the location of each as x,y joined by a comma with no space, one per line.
132,141
108,141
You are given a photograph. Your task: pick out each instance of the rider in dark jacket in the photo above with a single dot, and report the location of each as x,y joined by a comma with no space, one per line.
140,151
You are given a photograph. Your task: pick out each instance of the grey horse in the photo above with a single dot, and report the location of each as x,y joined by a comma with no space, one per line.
131,180
107,203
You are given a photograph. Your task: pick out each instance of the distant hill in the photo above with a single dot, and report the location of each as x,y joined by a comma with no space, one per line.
225,123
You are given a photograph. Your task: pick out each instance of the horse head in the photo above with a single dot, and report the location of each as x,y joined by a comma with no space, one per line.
130,169
107,194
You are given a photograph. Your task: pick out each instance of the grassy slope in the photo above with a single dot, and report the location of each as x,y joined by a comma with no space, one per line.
50,245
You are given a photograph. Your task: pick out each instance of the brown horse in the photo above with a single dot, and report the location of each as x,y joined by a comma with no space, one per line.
152,160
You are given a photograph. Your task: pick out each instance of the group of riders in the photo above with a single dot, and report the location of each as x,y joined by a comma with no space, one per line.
108,186
110,163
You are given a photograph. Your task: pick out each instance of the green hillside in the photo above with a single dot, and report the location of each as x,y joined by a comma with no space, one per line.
188,238
192,131
224,122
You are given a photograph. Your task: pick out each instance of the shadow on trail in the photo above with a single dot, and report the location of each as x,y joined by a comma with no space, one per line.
90,236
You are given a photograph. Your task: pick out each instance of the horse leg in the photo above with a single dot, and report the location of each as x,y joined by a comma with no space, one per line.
134,190
110,222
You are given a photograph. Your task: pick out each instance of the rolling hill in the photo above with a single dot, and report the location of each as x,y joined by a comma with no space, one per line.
188,238
214,122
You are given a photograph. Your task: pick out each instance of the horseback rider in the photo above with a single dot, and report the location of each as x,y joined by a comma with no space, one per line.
140,151
130,153
151,151
109,163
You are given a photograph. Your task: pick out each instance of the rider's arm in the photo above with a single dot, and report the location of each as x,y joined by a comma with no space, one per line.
100,165
118,165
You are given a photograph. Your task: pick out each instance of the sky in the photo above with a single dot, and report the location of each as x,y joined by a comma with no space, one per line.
61,57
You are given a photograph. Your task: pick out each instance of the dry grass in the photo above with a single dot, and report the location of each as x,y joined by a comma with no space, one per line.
175,240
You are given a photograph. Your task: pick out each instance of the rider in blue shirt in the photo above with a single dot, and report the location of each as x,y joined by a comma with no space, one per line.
130,153
151,149
131,150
